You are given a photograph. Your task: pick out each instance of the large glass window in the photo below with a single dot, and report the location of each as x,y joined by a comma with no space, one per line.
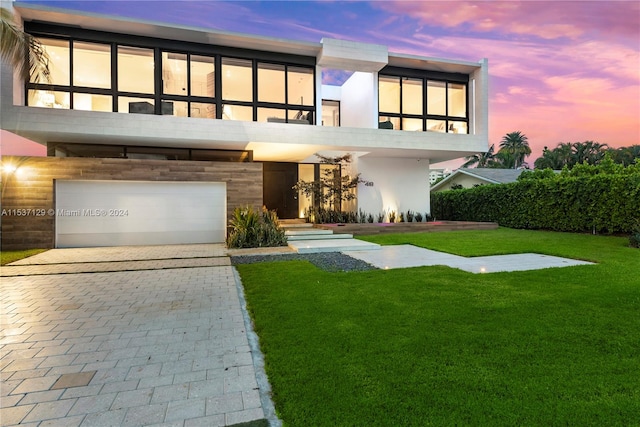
59,62
91,65
330,113
174,73
300,86
412,102
415,103
389,94
437,98
135,70
49,99
237,79
89,72
271,83
457,100
92,102
203,76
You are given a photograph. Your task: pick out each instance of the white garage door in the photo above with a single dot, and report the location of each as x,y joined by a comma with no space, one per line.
120,213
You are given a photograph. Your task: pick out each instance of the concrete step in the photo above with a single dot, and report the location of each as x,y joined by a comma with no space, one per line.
296,225
305,231
299,237
331,245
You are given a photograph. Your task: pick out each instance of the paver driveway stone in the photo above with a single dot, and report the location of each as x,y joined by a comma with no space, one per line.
163,343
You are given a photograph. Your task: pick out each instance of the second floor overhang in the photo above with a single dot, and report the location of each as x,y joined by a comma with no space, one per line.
268,141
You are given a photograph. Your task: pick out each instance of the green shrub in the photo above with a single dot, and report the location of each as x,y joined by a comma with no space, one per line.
634,238
251,229
585,202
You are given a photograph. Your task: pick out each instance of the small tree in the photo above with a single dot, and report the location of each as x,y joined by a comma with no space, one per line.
332,188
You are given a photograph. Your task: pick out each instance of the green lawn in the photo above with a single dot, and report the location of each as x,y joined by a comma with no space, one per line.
439,346
7,257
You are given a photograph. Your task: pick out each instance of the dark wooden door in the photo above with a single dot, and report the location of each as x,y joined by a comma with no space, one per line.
278,193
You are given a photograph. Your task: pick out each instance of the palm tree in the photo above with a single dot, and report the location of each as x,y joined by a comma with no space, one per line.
515,147
481,160
625,155
22,50
556,158
588,151
550,159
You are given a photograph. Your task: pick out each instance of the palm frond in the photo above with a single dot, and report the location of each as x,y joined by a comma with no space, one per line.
23,51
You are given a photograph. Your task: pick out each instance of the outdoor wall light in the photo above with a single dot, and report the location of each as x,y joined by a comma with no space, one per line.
9,169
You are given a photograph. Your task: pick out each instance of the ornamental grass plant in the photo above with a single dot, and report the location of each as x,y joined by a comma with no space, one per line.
253,229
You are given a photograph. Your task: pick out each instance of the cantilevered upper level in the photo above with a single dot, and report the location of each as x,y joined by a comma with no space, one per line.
117,81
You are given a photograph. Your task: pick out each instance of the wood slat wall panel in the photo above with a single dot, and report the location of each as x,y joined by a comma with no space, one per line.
33,188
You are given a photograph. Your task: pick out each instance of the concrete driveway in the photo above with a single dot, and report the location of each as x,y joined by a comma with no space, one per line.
126,336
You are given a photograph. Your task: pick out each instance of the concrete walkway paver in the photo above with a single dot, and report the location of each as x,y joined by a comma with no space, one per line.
111,266
151,346
404,256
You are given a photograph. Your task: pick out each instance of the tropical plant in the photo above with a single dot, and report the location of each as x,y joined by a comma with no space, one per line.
514,147
625,155
567,154
22,50
418,217
332,188
410,215
251,229
556,158
588,152
481,160
392,217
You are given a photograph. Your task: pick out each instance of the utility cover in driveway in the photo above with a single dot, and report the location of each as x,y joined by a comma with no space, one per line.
121,213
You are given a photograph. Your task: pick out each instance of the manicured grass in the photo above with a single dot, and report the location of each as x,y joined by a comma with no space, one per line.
7,257
439,346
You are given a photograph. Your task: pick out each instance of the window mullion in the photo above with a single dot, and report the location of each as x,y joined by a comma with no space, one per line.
189,86
157,81
71,74
114,77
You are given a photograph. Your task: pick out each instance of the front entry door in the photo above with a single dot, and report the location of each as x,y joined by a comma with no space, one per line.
278,192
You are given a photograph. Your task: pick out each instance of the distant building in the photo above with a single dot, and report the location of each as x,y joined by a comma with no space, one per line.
436,174
472,177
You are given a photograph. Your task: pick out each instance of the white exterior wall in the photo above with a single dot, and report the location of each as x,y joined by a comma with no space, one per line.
358,106
398,185
479,114
333,93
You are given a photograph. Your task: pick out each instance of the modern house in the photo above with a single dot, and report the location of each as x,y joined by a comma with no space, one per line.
156,132
472,177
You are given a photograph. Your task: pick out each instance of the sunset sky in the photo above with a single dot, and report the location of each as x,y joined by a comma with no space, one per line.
561,71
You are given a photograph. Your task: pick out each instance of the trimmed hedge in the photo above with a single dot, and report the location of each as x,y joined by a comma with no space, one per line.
600,203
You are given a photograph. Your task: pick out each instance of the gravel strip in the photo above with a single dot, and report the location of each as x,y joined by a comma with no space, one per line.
328,261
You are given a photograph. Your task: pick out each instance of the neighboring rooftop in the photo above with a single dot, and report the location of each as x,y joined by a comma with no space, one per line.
485,175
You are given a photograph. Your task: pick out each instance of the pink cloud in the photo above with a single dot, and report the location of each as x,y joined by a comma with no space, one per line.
544,19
